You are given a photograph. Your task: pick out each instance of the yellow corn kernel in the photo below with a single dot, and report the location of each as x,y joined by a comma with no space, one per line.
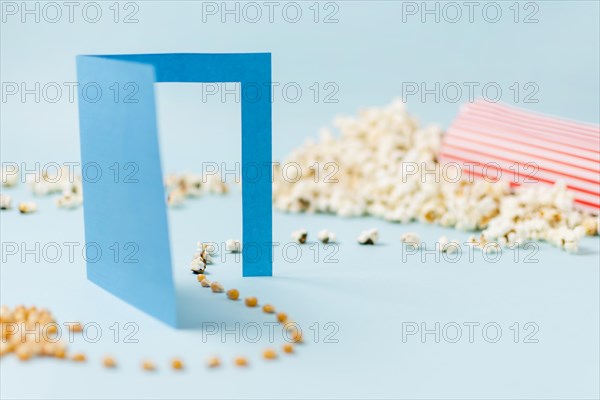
148,365
233,294
213,362
251,301
269,354
216,287
241,361
282,317
24,352
205,282
176,363
288,348
109,362
269,309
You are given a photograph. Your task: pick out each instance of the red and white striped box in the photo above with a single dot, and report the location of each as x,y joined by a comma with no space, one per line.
500,142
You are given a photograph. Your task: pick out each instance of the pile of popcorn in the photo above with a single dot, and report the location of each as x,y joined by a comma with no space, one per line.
179,187
189,185
386,165
69,187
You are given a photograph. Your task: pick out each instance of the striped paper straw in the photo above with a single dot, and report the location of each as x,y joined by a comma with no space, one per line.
500,142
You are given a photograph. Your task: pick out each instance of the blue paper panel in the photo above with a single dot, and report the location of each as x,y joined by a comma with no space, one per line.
125,212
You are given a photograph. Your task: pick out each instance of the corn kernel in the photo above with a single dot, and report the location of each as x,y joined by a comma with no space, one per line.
241,361
79,357
251,301
213,362
109,362
282,317
60,353
296,336
148,365
205,282
269,354
201,277
288,348
216,287
269,309
176,363
233,294
24,352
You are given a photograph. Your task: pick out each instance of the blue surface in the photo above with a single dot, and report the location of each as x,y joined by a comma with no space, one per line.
370,292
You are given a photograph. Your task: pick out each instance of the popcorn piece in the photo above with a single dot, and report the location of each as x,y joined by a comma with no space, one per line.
175,198
452,247
412,239
209,248
10,176
50,182
590,224
326,236
198,265
233,245
441,244
69,201
370,236
300,236
214,184
27,207
5,202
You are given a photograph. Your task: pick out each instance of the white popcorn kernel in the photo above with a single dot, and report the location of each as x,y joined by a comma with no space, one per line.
451,247
579,232
198,265
300,236
207,258
175,198
326,236
69,201
191,185
571,247
27,207
590,224
208,248
5,202
214,184
370,236
441,243
10,177
373,234
233,246
491,248
411,238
